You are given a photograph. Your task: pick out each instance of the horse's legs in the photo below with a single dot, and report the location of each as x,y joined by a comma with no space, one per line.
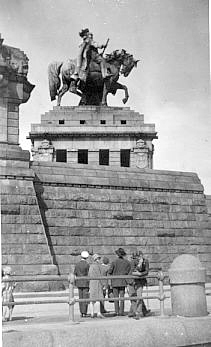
104,97
62,91
122,86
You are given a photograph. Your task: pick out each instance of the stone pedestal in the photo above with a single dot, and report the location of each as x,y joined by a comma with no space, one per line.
94,129
187,281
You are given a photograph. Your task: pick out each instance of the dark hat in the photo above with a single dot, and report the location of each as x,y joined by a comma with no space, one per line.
83,32
105,260
137,254
120,252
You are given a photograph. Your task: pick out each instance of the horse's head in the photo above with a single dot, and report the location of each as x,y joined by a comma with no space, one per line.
128,63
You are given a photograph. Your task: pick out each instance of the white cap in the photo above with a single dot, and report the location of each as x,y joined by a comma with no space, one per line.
84,254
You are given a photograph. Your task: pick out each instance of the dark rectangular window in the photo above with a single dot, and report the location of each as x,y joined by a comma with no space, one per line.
123,122
61,155
125,157
102,121
104,156
82,121
61,121
83,156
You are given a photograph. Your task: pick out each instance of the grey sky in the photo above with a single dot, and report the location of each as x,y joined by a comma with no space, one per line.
170,85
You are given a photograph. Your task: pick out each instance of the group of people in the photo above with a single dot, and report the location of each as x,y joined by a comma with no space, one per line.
137,266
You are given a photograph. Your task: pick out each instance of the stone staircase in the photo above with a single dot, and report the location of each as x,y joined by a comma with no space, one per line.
24,243
164,213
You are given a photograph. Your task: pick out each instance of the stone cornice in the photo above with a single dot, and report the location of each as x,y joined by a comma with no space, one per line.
56,135
113,187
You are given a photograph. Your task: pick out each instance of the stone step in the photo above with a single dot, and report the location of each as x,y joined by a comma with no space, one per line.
107,171
77,171
23,249
26,259
124,215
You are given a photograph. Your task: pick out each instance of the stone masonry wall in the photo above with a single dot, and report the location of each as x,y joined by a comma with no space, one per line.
24,243
164,213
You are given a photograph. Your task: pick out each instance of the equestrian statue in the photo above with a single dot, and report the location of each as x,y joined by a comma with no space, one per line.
91,76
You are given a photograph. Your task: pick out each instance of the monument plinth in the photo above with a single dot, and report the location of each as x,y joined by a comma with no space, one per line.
110,136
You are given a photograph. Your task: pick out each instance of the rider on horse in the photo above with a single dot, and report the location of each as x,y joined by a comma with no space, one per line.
88,50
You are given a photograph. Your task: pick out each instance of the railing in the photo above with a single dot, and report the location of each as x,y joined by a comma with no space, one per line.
159,275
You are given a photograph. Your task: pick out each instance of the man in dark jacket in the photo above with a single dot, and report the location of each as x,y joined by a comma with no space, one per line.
139,268
82,269
119,267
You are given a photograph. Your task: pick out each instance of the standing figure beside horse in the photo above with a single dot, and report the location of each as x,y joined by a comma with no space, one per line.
91,76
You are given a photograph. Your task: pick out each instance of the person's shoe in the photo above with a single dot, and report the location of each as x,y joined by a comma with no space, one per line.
92,316
130,315
137,316
147,313
99,315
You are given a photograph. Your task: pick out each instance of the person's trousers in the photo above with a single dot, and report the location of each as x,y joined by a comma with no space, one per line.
102,303
139,305
119,305
83,293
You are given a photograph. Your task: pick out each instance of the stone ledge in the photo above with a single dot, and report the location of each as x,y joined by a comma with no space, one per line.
120,187
149,332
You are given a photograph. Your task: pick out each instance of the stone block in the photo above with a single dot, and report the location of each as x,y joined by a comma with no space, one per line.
21,219
12,138
13,123
13,115
12,130
3,132
25,259
29,210
10,209
19,238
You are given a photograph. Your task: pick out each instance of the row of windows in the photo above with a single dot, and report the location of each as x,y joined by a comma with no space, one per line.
61,156
62,121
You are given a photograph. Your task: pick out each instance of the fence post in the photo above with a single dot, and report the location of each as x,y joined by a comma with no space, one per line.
161,292
71,279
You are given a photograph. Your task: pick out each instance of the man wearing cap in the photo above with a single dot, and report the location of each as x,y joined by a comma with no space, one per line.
119,267
82,269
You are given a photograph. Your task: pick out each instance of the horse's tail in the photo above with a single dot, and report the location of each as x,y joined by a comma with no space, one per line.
53,78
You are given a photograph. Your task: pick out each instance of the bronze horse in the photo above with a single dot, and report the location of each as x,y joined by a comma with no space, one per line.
93,90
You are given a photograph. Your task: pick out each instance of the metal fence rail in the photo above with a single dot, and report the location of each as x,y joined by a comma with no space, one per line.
72,300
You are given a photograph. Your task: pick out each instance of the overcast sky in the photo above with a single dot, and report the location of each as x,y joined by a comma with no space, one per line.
170,85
